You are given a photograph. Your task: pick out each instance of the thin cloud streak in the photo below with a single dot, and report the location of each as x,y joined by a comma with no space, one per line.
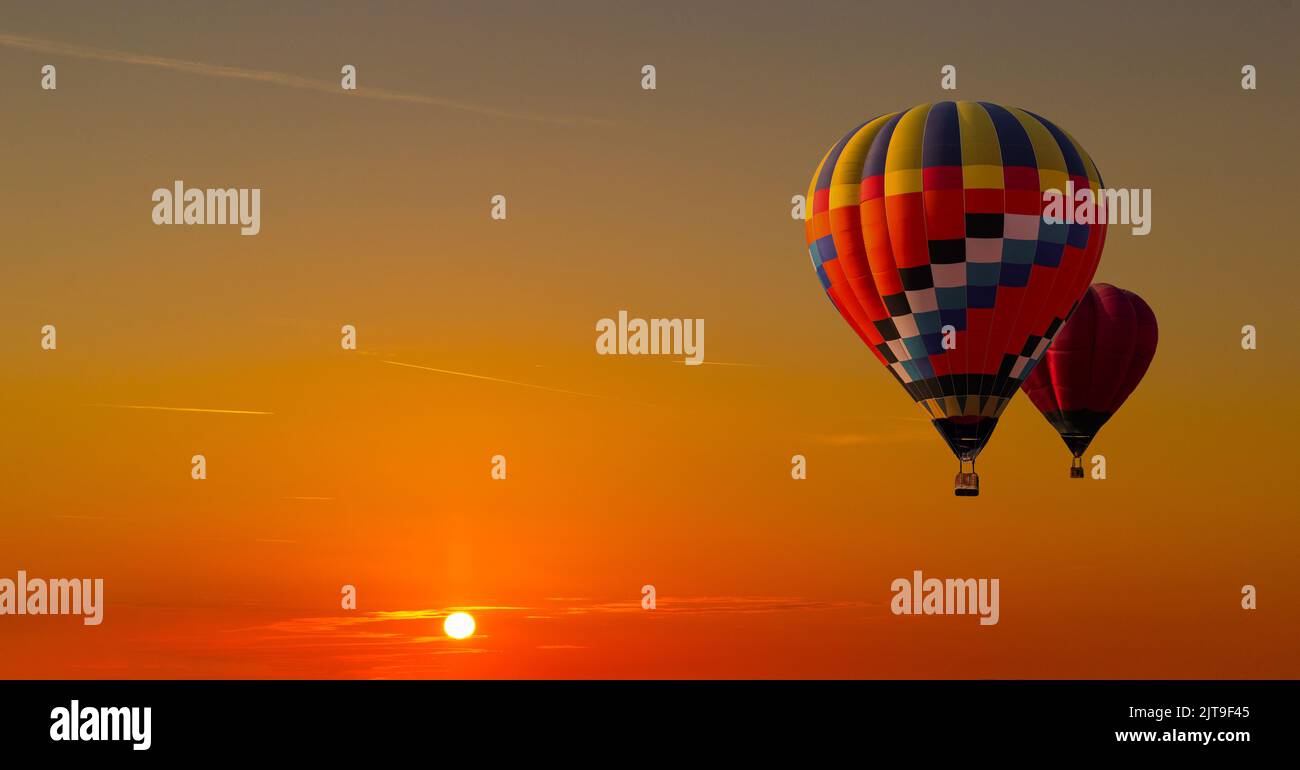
494,379
732,363
179,409
286,80
405,643
354,625
717,605
409,635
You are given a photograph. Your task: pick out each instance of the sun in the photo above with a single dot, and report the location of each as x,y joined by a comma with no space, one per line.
458,625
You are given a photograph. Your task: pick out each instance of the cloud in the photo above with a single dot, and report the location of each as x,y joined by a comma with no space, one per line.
493,379
179,409
359,625
283,79
730,363
391,644
713,605
333,623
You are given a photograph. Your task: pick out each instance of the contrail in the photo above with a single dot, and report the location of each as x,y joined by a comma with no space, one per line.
276,78
494,379
179,409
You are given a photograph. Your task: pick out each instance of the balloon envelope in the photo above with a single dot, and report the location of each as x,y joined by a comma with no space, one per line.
926,230
1094,364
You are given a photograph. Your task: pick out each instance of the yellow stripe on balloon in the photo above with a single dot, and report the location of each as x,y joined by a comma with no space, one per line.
903,161
1052,173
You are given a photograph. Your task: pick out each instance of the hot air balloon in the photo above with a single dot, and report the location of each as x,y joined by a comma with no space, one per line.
926,229
1093,366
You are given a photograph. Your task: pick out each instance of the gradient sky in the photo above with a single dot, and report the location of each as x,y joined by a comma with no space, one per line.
672,203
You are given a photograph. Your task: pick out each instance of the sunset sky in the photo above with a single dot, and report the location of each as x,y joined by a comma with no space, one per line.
622,471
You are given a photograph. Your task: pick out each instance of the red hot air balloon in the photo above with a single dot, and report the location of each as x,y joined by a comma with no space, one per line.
927,232
1093,365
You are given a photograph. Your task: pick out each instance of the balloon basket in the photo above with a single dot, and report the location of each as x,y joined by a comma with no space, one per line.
1076,468
966,484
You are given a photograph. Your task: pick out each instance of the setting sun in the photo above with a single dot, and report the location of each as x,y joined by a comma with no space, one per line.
458,625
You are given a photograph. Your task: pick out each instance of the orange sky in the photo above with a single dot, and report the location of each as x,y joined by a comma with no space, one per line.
668,204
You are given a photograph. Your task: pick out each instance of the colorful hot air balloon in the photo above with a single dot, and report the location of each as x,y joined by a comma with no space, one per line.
1095,363
926,229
